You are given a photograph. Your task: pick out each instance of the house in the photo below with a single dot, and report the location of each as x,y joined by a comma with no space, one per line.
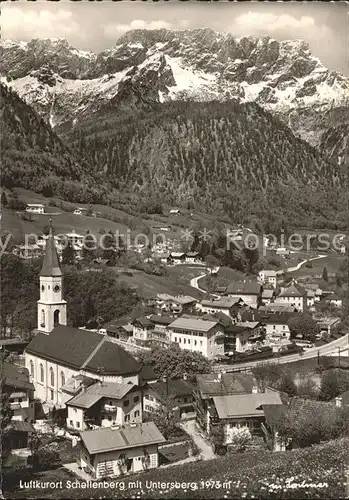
160,334
242,410
218,384
120,329
180,390
20,391
142,327
273,414
104,404
198,335
334,300
248,291
193,258
176,258
174,304
18,433
80,211
328,325
310,298
267,296
111,451
224,305
35,208
252,331
294,295
283,251
268,277
58,352
276,326
28,251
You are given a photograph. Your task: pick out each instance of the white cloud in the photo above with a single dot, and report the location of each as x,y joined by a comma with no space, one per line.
23,24
112,30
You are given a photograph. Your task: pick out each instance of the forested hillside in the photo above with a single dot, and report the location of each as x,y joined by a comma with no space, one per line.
33,157
224,158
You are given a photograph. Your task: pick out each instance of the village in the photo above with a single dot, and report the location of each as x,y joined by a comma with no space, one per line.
93,390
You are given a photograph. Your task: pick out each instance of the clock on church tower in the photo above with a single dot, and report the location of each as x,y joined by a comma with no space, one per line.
52,309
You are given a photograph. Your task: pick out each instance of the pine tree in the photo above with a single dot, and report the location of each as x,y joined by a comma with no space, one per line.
325,274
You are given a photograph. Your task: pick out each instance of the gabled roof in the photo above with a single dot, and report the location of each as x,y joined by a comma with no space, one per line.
97,391
293,290
193,323
244,405
309,407
143,321
16,376
267,294
243,288
51,265
211,385
108,439
280,318
223,303
78,348
173,387
162,320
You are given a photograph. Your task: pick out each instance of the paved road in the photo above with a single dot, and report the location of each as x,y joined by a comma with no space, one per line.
205,448
298,266
331,348
194,283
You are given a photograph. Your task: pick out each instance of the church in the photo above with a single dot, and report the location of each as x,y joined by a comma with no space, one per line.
59,353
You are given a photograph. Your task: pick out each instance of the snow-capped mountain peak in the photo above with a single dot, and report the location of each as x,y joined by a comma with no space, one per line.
161,65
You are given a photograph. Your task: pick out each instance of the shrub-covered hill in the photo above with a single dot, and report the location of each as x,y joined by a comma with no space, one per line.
222,158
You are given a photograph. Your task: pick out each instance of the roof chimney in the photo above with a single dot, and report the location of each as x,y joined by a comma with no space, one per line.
219,376
254,389
338,402
185,376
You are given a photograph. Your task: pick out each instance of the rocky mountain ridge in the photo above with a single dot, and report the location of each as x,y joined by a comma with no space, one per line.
146,67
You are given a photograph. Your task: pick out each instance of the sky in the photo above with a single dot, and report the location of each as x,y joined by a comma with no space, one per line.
97,25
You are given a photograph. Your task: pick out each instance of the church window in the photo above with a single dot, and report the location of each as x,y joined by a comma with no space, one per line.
42,317
51,394
52,377
56,317
62,379
31,368
42,288
41,372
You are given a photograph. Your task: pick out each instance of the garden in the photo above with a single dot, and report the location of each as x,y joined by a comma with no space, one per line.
315,472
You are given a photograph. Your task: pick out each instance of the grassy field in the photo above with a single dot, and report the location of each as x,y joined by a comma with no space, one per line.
63,223
149,285
332,262
259,474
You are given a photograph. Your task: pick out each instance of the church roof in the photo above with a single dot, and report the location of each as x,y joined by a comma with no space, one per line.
82,349
51,266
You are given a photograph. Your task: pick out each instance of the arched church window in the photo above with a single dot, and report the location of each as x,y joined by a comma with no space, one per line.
41,372
42,318
56,317
31,368
62,379
42,288
52,376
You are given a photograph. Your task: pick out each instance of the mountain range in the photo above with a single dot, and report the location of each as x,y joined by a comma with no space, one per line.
145,67
248,128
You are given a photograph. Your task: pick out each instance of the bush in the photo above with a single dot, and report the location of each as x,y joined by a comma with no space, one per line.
46,457
239,438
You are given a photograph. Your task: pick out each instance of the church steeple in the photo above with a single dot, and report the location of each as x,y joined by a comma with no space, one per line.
51,265
52,309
